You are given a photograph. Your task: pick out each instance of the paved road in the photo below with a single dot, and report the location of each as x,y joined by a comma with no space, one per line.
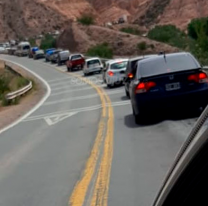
44,156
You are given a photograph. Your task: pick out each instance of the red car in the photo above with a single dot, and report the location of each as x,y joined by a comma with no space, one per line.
75,61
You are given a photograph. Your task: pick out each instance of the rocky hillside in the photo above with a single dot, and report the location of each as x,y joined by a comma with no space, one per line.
28,17
177,12
78,38
25,18
144,12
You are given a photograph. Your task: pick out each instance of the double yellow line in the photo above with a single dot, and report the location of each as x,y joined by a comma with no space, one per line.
97,168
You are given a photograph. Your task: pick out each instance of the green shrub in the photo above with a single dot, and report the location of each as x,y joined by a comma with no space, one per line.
86,20
21,82
198,30
169,34
32,42
130,30
142,46
101,50
48,42
4,85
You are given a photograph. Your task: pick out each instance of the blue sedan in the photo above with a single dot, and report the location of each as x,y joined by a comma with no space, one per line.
168,81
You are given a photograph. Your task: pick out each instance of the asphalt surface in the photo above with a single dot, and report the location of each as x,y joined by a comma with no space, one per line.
43,157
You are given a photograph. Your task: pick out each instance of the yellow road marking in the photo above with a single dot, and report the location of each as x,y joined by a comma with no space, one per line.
100,194
79,193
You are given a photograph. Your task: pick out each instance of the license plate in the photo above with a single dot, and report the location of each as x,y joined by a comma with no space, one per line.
173,86
94,65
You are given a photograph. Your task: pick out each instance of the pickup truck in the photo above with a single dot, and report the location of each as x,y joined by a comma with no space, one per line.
75,61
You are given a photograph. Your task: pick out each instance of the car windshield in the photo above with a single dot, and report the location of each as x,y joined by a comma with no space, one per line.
162,65
119,65
93,62
76,57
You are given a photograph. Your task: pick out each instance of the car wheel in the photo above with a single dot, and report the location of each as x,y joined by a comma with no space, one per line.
110,85
137,117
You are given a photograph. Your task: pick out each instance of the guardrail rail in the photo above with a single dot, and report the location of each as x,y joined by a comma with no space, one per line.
20,92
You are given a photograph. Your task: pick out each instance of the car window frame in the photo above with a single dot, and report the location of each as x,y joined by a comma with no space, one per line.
189,151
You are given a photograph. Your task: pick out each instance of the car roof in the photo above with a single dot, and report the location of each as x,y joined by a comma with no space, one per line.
76,54
161,56
117,60
143,57
64,51
94,58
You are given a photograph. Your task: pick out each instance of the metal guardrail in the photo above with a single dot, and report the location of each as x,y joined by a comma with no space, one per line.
20,92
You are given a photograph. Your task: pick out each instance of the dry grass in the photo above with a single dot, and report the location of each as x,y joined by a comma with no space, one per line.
9,81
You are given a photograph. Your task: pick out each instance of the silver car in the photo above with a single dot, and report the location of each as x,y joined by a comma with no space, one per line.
63,56
92,65
114,72
54,56
39,54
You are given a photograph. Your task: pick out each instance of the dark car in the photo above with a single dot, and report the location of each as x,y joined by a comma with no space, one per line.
168,81
131,70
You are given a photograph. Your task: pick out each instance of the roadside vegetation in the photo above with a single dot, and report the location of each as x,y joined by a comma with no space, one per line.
32,42
9,82
130,30
86,20
142,46
48,42
195,41
101,50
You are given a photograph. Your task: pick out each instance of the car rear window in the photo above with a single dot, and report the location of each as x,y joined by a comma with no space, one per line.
76,57
92,62
26,47
167,64
119,65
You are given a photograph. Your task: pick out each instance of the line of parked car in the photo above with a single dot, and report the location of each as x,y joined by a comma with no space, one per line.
153,83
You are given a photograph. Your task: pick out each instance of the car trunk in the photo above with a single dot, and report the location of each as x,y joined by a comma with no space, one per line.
178,82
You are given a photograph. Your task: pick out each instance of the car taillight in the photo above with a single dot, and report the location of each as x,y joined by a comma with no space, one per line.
199,78
144,87
110,73
130,76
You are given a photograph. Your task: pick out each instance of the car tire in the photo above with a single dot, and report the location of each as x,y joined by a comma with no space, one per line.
110,85
137,117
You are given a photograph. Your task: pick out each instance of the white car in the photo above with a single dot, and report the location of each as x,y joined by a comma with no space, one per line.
92,65
2,50
114,72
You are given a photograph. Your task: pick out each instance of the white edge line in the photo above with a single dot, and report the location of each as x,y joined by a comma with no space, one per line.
36,106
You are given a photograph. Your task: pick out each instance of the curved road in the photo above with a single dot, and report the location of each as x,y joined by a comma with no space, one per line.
82,147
